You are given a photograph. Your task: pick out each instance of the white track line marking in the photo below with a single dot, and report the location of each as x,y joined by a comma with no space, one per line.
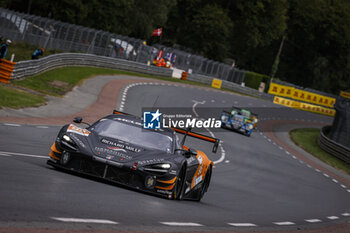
326,175
284,223
83,220
223,154
334,180
333,217
313,220
343,186
42,127
182,224
15,125
348,190
346,214
6,155
25,155
242,224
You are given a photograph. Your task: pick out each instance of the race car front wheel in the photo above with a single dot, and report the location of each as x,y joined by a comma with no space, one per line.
179,189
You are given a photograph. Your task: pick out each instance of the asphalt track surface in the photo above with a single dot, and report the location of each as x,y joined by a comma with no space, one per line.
256,185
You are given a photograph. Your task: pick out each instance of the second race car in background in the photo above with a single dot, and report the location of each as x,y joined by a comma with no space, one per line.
238,119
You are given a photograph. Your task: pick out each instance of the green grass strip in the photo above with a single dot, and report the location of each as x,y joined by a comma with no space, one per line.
13,98
307,139
71,76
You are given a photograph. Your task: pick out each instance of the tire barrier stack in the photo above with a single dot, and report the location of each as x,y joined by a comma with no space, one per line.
6,70
332,147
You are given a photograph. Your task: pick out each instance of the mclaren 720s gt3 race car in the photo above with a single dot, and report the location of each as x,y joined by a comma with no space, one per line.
117,148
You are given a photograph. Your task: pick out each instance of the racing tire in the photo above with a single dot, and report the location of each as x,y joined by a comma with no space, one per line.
247,134
179,189
205,185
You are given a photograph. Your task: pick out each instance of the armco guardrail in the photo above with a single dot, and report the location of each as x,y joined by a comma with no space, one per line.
33,67
332,147
28,68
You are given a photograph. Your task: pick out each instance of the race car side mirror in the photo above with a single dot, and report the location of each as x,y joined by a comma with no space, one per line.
77,120
190,152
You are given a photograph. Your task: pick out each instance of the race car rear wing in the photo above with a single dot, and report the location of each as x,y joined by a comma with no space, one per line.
186,132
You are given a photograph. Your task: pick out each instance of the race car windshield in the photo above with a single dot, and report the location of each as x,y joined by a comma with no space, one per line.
245,113
134,134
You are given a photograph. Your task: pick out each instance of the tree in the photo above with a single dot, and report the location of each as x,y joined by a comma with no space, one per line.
211,28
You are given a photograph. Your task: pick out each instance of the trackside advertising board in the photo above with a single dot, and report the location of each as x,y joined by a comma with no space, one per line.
345,94
298,94
303,106
216,83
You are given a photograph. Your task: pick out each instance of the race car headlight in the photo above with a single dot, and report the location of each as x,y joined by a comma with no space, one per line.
224,118
158,168
67,138
161,166
68,142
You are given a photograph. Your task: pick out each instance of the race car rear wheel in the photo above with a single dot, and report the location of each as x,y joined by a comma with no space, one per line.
179,188
205,185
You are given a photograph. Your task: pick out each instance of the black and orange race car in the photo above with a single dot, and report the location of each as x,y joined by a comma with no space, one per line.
118,149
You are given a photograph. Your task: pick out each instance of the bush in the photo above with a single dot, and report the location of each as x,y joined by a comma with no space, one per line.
253,80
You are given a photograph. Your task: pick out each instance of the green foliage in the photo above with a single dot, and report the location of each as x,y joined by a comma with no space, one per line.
253,80
69,76
307,139
12,98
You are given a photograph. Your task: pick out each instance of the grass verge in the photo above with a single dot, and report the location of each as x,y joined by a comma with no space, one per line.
68,77
307,139
13,98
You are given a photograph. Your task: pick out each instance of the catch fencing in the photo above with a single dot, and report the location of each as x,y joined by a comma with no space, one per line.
33,67
52,34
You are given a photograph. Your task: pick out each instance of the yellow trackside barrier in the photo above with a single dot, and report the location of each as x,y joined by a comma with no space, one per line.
304,106
216,83
281,90
304,96
285,102
345,94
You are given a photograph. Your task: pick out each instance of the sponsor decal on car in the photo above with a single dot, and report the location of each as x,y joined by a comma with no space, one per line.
197,180
128,121
119,146
150,161
112,152
74,129
164,191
